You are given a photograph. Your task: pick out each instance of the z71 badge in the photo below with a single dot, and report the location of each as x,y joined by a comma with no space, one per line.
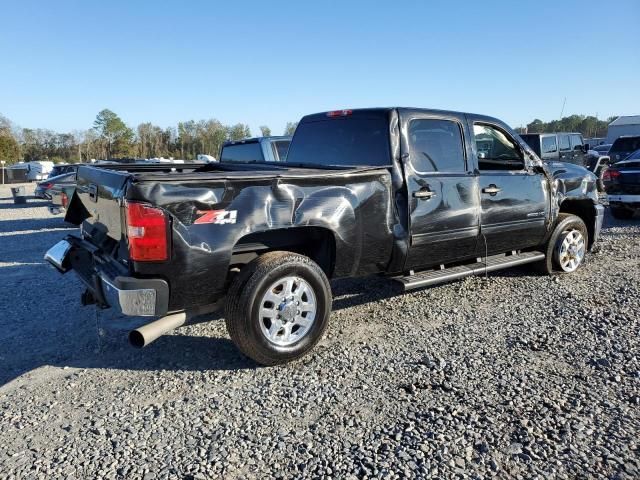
219,217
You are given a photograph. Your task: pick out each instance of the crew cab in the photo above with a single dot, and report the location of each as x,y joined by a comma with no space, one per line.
420,196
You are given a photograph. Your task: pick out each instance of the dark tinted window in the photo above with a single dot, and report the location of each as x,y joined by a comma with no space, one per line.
634,156
625,144
564,142
576,141
282,147
342,141
242,152
549,144
436,146
533,141
496,150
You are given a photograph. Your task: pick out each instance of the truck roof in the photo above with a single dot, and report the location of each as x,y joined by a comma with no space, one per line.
384,111
552,133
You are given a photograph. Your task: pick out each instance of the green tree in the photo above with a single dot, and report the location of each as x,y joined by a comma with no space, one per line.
290,128
266,131
239,131
9,148
114,133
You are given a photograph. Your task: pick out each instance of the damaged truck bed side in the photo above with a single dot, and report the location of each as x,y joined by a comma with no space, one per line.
421,196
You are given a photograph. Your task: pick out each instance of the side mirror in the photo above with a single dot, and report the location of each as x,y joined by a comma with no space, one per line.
586,147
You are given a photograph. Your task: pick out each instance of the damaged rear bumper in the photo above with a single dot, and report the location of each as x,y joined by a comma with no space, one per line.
130,296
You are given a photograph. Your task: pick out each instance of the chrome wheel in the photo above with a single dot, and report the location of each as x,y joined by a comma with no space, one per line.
287,311
570,251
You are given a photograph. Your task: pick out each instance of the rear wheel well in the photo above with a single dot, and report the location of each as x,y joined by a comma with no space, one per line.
317,243
585,210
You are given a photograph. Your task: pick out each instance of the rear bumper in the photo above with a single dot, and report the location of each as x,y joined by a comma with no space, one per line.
631,199
148,297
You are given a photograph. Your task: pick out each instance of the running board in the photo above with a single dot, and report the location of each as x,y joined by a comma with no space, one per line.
490,264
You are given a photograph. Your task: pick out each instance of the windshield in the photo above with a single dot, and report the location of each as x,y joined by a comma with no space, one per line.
348,141
533,141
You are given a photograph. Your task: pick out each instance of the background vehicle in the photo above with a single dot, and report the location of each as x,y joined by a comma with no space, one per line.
453,195
261,149
59,169
35,171
43,189
602,149
622,184
566,147
60,191
623,147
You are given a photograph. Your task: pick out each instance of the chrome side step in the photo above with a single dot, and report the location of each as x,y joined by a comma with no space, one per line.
489,264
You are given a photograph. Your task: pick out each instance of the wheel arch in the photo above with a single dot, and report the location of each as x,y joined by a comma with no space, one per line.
584,209
317,243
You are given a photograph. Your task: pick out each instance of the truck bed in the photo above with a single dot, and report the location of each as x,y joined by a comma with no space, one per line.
214,210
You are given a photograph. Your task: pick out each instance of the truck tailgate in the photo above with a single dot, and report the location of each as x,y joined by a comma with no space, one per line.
98,202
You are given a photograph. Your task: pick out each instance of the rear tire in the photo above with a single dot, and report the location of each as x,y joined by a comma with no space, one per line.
278,307
567,245
621,213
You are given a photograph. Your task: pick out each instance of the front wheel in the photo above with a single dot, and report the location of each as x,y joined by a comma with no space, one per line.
278,307
567,245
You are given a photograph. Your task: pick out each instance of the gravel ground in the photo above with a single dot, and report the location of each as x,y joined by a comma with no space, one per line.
513,376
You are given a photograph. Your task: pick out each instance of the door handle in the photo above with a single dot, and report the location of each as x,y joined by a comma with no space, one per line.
491,189
424,194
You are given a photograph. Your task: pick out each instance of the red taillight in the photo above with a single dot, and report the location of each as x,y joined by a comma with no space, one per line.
64,199
339,113
147,230
609,175
46,186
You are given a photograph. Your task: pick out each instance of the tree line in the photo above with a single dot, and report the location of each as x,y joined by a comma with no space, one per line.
588,126
111,138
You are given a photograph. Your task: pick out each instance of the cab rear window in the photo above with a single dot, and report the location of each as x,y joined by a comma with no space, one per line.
348,141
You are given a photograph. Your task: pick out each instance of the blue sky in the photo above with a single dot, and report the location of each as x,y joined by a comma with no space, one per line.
272,62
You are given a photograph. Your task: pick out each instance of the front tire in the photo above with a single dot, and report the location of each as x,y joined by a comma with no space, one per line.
278,307
567,246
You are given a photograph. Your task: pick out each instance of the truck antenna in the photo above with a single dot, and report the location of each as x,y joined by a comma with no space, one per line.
563,104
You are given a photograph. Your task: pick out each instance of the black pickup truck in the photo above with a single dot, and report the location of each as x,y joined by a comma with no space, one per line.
421,196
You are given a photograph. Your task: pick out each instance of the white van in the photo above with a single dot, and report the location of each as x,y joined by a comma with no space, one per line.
36,171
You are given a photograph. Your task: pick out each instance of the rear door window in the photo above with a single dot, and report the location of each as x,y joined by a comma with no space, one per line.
436,146
549,144
565,143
